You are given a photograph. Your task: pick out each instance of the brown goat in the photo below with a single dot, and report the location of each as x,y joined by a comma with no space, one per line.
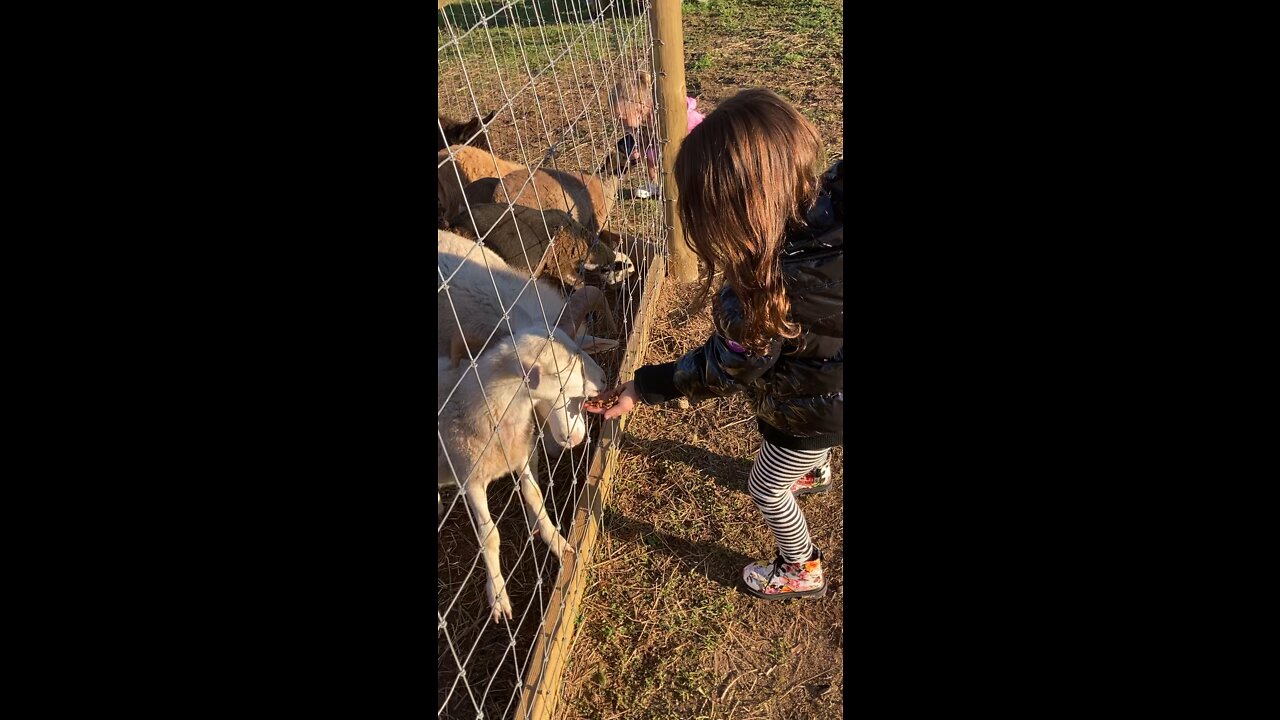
466,165
520,237
587,198
450,132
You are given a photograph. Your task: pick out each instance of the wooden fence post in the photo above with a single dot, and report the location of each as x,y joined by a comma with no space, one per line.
668,54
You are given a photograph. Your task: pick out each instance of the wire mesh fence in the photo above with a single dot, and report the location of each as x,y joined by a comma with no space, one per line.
548,247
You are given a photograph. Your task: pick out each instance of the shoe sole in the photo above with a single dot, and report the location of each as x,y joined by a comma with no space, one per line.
812,491
814,594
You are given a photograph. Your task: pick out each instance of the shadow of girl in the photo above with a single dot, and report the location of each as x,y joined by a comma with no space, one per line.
715,562
726,471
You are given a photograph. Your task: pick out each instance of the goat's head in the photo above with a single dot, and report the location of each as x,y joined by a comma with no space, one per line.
557,373
560,377
612,265
621,268
457,133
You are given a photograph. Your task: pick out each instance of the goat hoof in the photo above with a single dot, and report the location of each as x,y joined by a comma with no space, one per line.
500,603
502,609
560,546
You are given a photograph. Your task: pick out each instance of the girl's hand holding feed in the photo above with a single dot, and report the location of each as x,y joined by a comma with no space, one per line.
613,403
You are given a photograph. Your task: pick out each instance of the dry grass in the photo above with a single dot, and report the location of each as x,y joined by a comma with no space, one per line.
664,625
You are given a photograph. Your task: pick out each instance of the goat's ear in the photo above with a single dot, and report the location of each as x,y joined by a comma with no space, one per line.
489,118
535,376
610,238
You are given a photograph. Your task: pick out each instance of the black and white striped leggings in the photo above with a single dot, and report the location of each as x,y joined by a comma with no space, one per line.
772,475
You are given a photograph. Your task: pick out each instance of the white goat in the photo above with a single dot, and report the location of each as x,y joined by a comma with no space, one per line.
488,428
485,293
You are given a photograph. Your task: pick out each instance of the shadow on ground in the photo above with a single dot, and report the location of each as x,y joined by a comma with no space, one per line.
726,471
716,563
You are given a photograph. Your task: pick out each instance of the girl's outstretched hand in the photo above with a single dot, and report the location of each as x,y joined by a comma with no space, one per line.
614,403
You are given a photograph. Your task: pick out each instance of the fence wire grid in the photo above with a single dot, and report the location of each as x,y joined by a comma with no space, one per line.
543,69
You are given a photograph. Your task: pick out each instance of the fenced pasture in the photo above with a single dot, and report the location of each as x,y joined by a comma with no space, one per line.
543,69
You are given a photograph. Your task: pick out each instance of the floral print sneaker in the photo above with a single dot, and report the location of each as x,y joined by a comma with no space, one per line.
817,480
778,579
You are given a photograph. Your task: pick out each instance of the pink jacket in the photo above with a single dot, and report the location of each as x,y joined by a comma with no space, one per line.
694,118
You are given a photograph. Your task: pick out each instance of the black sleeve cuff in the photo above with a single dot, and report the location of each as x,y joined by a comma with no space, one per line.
656,383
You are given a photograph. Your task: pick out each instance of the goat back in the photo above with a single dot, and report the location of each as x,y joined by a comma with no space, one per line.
522,238
580,195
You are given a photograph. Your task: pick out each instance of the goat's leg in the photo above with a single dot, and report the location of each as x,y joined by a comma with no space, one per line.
530,515
537,510
487,532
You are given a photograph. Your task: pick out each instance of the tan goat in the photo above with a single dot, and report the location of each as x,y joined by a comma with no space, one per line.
587,198
460,165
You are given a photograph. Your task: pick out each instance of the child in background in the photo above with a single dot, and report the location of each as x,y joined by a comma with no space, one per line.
779,317
631,101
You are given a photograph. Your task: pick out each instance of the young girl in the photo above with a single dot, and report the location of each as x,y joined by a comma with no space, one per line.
631,101
779,334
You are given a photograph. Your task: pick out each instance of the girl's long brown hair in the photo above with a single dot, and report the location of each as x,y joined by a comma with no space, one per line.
746,175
